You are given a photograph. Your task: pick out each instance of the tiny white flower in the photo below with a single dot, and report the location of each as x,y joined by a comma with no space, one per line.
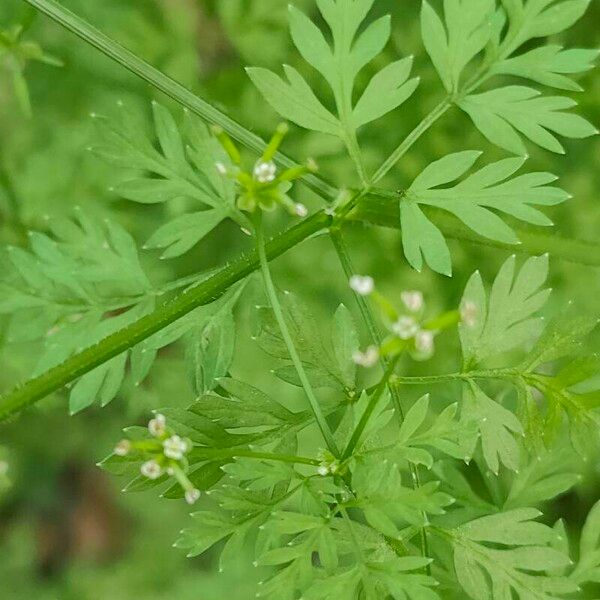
405,328
334,467
413,300
192,496
300,210
123,448
265,172
368,358
175,447
468,313
158,425
3,468
323,470
362,284
425,342
221,168
151,470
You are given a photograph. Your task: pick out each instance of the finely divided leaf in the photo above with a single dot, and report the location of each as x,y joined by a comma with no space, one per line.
497,427
339,64
549,65
183,166
506,114
466,32
475,201
516,563
506,320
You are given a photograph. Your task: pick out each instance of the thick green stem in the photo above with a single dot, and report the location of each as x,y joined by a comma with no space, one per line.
207,291
576,251
289,342
503,374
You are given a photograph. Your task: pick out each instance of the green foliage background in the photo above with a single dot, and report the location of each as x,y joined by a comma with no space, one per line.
46,170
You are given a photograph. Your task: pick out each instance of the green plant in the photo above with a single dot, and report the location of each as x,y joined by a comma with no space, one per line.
362,491
15,54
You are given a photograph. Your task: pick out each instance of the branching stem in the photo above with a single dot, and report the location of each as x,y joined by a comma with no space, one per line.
289,342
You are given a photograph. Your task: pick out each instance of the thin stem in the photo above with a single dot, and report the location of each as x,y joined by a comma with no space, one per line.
287,338
412,137
364,421
345,259
356,156
168,86
216,453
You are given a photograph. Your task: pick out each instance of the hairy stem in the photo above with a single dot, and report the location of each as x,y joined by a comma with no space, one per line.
469,376
289,342
205,292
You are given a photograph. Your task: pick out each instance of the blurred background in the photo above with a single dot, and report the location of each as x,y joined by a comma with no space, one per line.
66,531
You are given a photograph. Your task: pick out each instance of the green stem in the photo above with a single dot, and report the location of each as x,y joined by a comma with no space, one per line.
168,86
343,253
433,379
287,338
217,453
381,207
573,250
366,417
345,259
205,292
412,137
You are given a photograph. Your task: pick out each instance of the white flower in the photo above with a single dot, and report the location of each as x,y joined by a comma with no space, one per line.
123,448
158,425
363,285
368,358
468,313
175,447
3,468
405,328
192,496
300,210
424,342
323,470
265,172
151,470
221,168
413,300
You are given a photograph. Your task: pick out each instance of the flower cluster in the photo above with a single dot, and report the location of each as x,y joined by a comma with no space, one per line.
328,464
163,453
265,187
408,331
